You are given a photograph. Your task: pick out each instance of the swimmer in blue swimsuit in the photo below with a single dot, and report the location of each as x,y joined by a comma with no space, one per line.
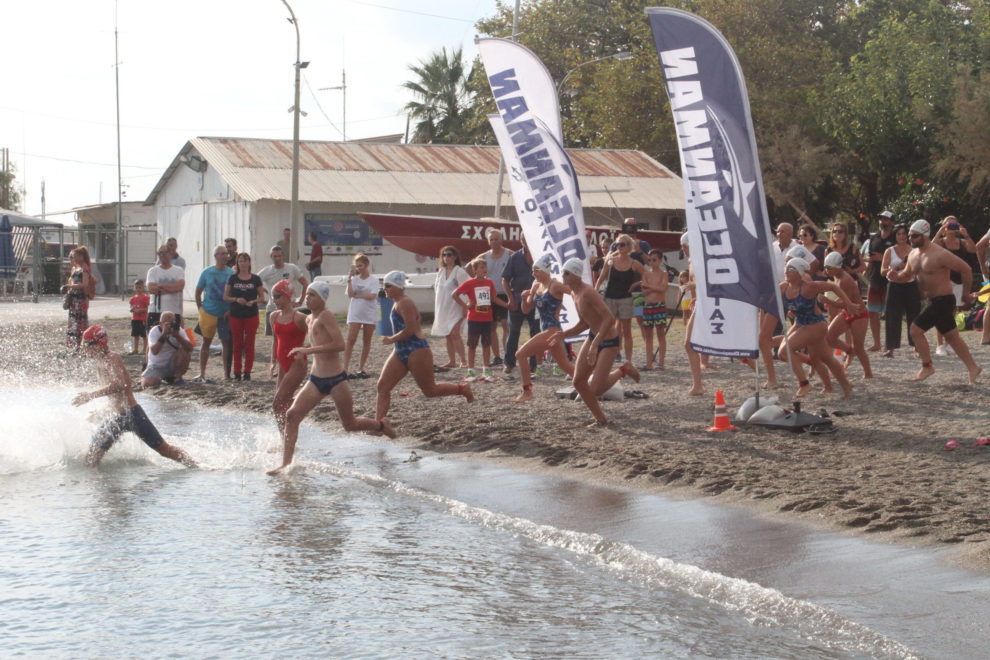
412,352
327,377
810,328
547,295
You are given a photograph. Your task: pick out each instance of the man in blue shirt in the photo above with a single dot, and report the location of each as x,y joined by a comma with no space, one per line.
213,311
517,278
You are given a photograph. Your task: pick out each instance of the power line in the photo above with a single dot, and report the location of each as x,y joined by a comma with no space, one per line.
84,162
410,11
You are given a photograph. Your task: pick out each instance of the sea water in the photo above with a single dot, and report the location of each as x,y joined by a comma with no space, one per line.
362,550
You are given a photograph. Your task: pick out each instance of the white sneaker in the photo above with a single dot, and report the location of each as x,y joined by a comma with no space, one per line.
941,352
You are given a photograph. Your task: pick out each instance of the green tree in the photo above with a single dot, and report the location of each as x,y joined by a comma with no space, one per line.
442,99
10,196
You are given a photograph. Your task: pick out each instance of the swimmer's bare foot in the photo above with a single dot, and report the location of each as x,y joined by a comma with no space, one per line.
709,366
923,373
828,389
803,388
847,390
629,370
696,390
598,423
385,427
527,395
974,374
874,348
464,390
279,470
770,385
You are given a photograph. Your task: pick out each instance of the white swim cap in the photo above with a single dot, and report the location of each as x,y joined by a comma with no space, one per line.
799,251
798,264
684,239
322,289
395,278
544,263
833,260
574,266
921,227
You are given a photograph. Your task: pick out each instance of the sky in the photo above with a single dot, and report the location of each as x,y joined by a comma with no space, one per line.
189,68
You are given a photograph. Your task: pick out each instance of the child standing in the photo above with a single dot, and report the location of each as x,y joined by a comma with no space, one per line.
139,302
687,295
481,292
654,285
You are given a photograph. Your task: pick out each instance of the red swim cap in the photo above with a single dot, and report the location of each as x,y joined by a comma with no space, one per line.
95,334
284,287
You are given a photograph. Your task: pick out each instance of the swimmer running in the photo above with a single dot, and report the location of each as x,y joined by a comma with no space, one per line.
326,378
592,373
411,352
129,416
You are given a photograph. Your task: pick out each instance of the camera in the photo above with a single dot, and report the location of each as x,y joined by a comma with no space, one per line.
952,226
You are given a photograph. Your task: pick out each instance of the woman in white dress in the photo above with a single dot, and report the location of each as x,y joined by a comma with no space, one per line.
448,316
362,312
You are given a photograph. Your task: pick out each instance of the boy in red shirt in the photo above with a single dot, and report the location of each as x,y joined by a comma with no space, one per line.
139,302
481,292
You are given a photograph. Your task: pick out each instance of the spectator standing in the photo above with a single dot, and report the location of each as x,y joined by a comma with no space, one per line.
953,237
654,286
876,293
516,279
362,312
166,282
231,245
286,244
244,292
903,298
280,269
480,292
619,275
78,290
214,311
448,316
496,259
173,253
315,263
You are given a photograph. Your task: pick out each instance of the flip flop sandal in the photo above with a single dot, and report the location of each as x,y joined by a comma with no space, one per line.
635,394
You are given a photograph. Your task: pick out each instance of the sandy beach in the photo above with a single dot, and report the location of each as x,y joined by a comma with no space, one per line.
883,474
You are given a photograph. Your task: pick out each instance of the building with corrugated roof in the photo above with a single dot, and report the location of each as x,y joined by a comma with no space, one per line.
240,187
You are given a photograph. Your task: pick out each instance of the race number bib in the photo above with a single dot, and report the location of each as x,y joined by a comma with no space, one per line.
482,298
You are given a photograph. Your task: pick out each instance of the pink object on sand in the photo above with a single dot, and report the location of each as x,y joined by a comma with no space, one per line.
951,444
981,441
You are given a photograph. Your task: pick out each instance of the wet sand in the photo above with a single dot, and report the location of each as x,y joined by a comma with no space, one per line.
882,474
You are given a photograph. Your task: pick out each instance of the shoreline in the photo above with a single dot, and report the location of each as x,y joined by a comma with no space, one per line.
883,474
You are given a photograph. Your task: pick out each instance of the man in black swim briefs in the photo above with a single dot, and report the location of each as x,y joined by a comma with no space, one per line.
327,377
931,265
128,415
592,373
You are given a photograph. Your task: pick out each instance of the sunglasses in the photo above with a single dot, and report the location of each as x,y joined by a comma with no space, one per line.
915,235
162,253
448,254
276,296
838,231
389,286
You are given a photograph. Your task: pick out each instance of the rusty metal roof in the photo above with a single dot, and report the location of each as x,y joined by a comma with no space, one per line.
412,173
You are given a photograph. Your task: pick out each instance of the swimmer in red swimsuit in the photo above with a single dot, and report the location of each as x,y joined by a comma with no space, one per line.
288,332
858,321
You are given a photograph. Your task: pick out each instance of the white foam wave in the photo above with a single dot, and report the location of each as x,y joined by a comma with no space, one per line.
760,605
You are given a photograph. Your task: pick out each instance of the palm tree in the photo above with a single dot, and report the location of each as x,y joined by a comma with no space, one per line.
442,99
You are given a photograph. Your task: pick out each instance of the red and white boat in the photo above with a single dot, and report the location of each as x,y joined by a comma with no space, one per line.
427,235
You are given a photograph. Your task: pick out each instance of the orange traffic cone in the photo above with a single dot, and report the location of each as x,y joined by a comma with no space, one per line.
721,415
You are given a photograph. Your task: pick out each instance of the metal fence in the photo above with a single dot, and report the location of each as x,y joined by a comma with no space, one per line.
41,259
